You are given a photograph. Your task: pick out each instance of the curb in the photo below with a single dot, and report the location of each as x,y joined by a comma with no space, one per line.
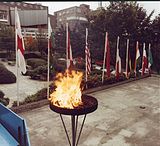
38,104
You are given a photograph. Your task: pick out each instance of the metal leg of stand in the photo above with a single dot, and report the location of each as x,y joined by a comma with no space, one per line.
74,124
73,130
65,130
81,130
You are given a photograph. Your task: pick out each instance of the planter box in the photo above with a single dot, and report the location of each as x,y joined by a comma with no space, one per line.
38,104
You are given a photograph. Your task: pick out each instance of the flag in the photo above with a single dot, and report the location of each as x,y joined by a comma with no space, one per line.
49,32
49,46
88,58
68,49
137,59
106,59
144,60
19,44
118,61
150,58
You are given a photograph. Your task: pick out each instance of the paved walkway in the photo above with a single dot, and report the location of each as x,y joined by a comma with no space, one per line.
27,86
128,115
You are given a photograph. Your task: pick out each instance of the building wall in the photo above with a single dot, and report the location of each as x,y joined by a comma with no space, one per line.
4,14
73,15
33,17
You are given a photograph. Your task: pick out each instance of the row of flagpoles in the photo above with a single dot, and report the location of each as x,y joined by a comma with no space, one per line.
21,66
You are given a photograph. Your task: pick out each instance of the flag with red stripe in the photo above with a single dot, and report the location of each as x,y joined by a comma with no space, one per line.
137,59
68,49
88,57
118,61
144,60
20,44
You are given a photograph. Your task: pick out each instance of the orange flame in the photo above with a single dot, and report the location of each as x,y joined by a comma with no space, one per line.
68,92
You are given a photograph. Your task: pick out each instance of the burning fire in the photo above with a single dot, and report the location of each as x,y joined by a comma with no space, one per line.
68,92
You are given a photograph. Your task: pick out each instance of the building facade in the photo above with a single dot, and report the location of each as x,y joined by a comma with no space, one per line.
73,15
33,17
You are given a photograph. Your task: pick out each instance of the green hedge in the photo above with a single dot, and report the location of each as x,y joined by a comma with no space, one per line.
6,76
35,62
4,101
40,73
41,94
1,94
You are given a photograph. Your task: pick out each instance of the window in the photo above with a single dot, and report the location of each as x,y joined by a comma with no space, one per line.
78,10
18,3
60,19
41,7
3,15
60,14
24,5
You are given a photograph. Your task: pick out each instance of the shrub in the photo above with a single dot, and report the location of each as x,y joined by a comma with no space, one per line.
40,73
6,76
35,62
41,94
60,68
1,94
4,101
32,55
2,65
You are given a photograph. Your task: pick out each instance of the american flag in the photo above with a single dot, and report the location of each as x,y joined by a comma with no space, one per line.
88,58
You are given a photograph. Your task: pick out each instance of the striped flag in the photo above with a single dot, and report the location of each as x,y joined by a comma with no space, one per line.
137,59
88,58
68,49
144,60
118,61
106,59
19,44
150,58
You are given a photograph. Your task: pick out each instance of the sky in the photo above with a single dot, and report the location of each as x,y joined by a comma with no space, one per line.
56,6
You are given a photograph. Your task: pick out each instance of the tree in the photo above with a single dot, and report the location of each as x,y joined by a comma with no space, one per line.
7,38
77,38
124,19
155,35
60,40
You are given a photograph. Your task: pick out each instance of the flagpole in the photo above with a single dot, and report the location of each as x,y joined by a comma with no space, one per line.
117,55
67,44
48,58
149,67
86,58
127,58
143,69
17,70
104,59
135,64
